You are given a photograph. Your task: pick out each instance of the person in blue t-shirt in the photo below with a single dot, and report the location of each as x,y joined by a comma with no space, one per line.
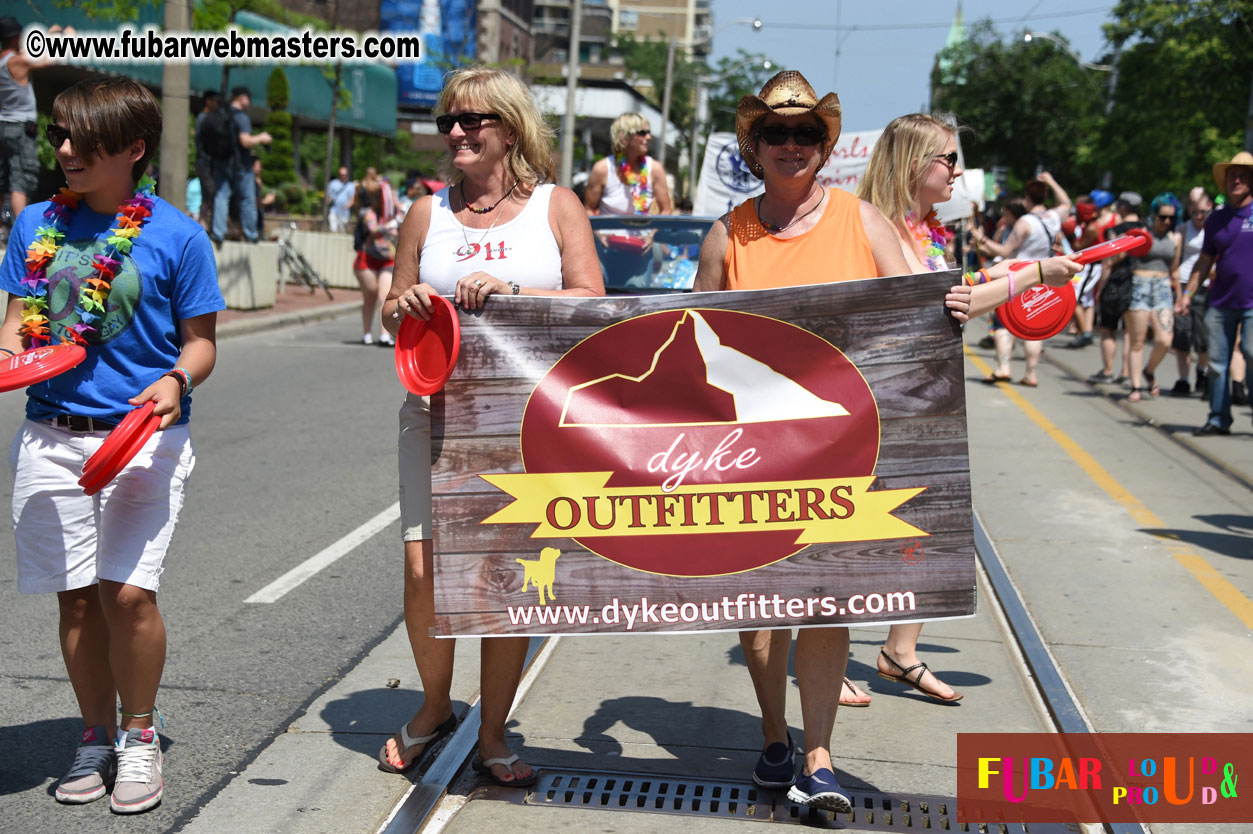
109,266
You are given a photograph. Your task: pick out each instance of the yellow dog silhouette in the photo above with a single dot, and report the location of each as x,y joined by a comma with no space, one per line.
541,573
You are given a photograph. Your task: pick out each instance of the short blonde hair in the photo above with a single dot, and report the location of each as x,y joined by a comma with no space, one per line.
623,128
896,165
530,158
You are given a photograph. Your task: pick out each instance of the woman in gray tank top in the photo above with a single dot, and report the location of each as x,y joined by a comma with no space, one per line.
1153,289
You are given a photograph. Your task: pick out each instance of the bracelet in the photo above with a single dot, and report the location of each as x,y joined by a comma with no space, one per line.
184,380
6,350
1010,276
969,279
984,276
1040,271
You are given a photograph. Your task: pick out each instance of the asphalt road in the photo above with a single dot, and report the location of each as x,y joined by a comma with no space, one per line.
295,441
1133,554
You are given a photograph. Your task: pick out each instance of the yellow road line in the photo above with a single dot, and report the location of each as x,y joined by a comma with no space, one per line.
1203,571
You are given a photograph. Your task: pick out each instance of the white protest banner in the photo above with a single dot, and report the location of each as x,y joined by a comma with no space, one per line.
725,180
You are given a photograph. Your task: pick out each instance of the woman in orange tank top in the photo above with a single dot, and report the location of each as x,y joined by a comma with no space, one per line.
798,232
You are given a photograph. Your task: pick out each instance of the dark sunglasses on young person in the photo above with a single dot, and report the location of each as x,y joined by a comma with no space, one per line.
949,159
779,134
468,121
56,134
1167,217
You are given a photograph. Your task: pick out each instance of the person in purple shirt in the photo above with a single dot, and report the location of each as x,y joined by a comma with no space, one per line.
1229,240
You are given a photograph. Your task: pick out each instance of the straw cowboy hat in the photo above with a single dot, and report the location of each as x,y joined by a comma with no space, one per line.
787,94
1220,169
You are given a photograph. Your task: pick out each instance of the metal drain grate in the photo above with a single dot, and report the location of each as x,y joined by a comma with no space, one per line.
656,794
659,794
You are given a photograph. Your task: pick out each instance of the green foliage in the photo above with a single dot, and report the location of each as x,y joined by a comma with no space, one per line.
1027,104
1183,91
732,79
278,158
112,10
1178,105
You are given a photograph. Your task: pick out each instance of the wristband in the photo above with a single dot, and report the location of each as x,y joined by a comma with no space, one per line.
1040,271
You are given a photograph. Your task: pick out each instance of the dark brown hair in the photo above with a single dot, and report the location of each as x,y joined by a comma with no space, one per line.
105,115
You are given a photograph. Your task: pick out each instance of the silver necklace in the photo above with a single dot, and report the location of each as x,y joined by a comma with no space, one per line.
773,229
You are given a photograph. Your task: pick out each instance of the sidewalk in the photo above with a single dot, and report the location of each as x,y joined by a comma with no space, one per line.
295,305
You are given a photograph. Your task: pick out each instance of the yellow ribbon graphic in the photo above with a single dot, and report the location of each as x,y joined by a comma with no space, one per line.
579,505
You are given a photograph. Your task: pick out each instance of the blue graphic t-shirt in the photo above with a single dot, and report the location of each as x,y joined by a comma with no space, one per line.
170,275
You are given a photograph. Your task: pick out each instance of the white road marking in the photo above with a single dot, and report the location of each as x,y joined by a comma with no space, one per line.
327,557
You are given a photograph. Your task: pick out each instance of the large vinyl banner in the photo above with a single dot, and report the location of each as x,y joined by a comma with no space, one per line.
718,461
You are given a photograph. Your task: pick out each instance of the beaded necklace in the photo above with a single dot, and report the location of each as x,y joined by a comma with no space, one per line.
638,183
932,237
131,216
490,208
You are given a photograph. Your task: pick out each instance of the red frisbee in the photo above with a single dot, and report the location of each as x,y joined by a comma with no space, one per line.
1040,312
119,448
426,351
1136,243
627,243
37,364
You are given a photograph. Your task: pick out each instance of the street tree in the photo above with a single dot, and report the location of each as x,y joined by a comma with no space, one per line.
1184,73
1025,105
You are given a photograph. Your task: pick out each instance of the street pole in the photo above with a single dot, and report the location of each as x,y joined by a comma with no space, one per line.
665,101
175,109
572,88
698,119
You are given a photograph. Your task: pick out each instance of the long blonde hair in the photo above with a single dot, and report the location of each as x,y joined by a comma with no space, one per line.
530,158
896,165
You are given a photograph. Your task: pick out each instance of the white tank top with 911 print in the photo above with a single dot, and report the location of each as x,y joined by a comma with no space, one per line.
523,250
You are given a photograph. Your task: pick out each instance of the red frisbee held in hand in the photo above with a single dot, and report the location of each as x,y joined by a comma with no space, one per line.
1040,312
119,448
1136,243
426,351
37,364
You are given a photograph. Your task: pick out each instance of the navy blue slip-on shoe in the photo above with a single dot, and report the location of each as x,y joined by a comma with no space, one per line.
821,790
776,767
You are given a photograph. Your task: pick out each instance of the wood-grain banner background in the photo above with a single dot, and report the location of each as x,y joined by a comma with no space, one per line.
706,462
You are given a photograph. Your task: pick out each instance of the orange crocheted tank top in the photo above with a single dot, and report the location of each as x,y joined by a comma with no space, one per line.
835,249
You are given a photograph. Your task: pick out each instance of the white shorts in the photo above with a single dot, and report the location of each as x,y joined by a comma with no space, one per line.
67,540
414,448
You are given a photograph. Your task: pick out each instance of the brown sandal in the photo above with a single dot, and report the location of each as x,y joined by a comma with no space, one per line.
922,668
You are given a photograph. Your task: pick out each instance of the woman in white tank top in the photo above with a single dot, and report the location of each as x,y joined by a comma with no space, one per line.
629,181
497,228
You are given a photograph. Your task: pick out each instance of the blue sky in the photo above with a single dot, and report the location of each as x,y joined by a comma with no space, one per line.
880,74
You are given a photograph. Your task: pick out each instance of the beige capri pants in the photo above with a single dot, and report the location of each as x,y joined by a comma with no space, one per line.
414,458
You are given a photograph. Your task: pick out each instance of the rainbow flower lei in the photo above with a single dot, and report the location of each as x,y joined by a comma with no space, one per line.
932,237
638,183
131,216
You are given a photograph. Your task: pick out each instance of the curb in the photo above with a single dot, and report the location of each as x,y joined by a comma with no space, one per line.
244,326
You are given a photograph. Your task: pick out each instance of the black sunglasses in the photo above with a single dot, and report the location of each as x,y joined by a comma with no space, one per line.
468,121
949,159
644,132
56,135
1166,217
779,134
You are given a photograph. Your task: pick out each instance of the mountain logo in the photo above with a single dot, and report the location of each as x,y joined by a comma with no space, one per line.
702,442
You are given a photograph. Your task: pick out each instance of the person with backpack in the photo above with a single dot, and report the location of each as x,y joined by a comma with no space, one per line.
232,166
211,114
